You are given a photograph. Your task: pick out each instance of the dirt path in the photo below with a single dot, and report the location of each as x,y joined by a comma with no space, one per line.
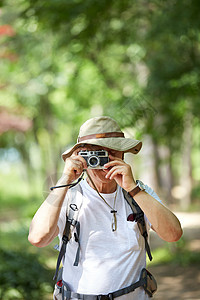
174,282
177,283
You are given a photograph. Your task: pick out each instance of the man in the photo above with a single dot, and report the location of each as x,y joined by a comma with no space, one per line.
112,251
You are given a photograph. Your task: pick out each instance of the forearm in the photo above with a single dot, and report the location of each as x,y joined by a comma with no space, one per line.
163,221
43,228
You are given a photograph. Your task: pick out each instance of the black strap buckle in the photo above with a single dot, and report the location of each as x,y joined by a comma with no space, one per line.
105,297
65,239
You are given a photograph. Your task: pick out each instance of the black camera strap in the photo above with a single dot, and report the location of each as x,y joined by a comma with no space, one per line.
70,185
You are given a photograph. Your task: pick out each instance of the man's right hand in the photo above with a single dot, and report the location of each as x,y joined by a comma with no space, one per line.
74,166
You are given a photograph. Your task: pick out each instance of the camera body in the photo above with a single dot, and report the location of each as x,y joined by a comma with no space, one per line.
95,159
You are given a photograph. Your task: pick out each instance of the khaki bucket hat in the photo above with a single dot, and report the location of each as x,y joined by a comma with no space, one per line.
105,132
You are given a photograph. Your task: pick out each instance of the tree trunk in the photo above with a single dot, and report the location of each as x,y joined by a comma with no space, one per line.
186,177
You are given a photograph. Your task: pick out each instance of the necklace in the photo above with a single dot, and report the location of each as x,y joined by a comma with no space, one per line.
113,211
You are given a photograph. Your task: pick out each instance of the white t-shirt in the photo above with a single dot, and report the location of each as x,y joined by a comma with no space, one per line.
108,260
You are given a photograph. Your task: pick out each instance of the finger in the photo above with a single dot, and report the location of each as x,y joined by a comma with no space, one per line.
78,166
72,168
115,174
73,165
81,159
114,163
115,171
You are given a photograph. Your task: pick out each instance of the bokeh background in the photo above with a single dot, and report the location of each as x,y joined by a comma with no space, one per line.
62,62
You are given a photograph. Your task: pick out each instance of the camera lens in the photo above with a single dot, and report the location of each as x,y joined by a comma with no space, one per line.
93,161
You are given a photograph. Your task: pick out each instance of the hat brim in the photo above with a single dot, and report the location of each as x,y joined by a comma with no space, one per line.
119,144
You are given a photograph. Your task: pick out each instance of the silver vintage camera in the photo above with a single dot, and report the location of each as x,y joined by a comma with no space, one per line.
95,159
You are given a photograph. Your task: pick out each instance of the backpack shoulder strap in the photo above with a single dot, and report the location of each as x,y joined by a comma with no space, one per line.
73,207
139,217
74,204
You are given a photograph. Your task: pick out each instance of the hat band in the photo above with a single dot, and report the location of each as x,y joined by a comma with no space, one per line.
101,135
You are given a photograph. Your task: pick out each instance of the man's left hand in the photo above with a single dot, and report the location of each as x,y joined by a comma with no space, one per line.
121,172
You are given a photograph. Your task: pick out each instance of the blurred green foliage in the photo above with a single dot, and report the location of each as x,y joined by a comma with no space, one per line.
176,254
22,276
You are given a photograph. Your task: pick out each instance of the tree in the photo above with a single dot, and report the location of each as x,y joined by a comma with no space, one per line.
135,61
